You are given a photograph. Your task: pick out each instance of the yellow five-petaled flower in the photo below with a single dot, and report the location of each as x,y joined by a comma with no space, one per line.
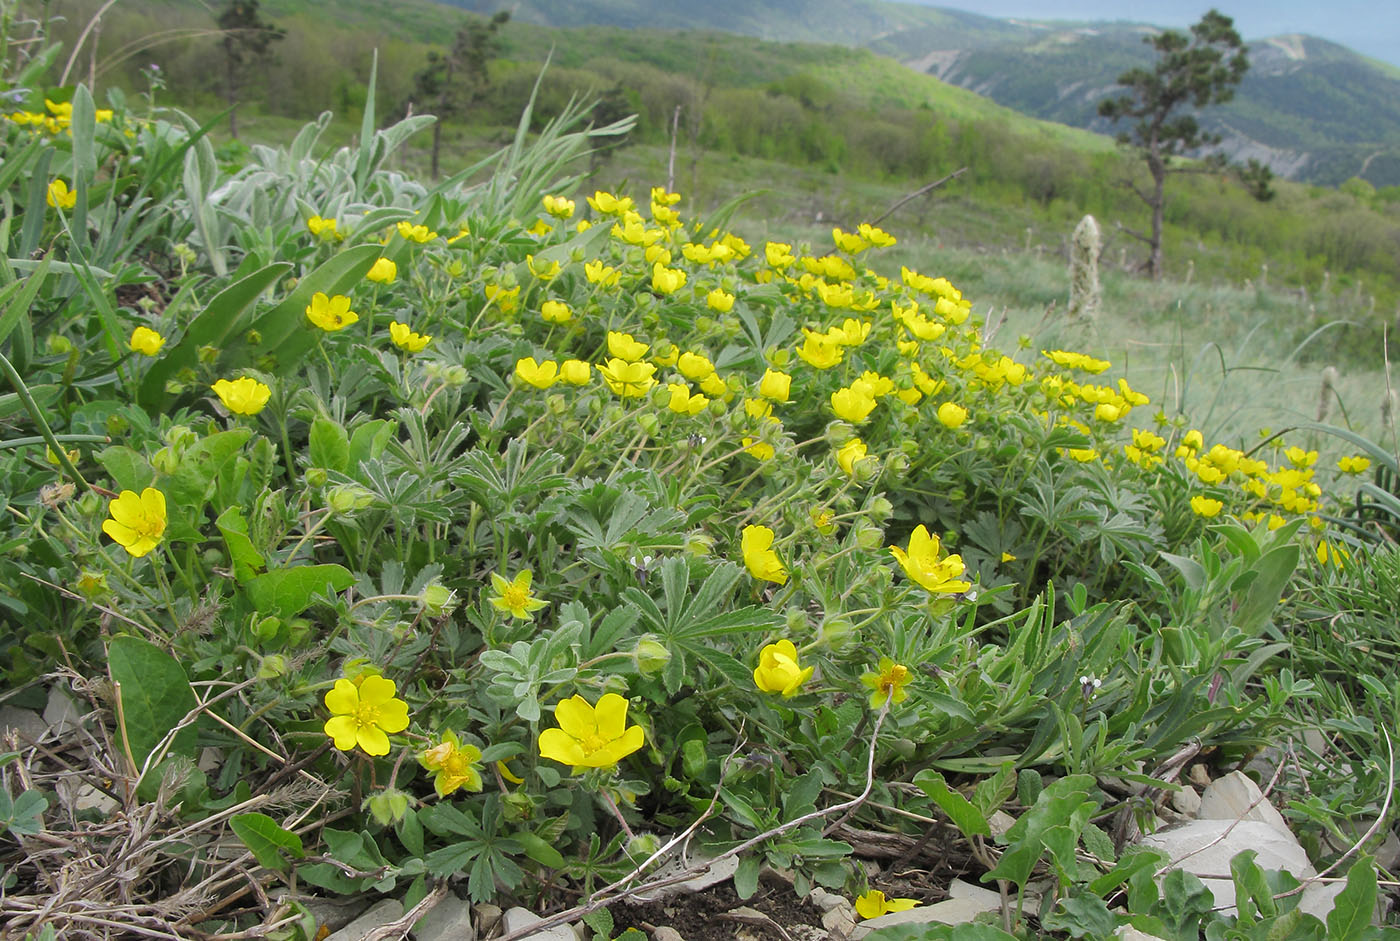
873,904
364,714
888,683
514,597
778,670
589,736
922,564
759,557
453,765
405,339
138,520
145,341
331,313
245,396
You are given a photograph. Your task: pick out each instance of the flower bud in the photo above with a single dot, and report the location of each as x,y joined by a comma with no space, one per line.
643,846
92,585
207,354
316,477
699,544
346,498
651,655
881,509
649,423
517,806
838,633
388,806
437,599
165,461
272,666
838,433
266,629
254,337
868,535
455,375
58,345
117,425
556,404
897,464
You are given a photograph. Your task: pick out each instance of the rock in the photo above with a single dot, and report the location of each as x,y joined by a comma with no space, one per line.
825,901
335,913
1194,845
61,713
1000,821
1387,853
716,872
448,920
1315,741
1231,797
380,914
987,899
28,724
1319,898
840,920
666,933
1265,763
87,797
517,918
488,916
951,912
1129,933
1186,801
1198,775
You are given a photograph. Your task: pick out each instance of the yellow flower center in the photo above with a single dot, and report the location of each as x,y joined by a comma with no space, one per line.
593,743
515,596
893,678
366,716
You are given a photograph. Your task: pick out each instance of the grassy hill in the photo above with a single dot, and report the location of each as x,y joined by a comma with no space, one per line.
1315,111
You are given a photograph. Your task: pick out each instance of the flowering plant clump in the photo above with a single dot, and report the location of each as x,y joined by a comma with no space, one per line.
657,530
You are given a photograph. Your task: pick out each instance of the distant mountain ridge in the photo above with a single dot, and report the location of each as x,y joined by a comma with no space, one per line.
1313,110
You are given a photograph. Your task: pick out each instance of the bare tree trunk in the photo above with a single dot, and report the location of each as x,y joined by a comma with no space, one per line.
1159,182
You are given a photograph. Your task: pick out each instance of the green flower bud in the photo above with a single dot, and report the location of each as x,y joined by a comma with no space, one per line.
90,504
180,437
213,557
272,666
456,268
642,846
388,806
92,584
298,629
556,404
456,375
868,470
316,477
254,337
838,633
117,425
838,433
165,461
266,629
346,498
649,423
796,620
699,545
58,345
868,535
897,464
881,509
207,354
651,655
517,806
437,600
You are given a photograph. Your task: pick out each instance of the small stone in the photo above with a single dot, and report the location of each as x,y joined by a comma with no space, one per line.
335,913
666,933
488,916
517,918
380,914
1129,933
824,901
210,760
1319,898
987,899
88,797
1186,801
715,873
1198,775
1236,797
1315,741
1265,763
61,713
950,912
26,722
448,920
1000,821
840,922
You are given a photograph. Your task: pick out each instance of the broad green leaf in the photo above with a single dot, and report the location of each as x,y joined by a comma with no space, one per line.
1250,884
539,850
155,696
1081,916
746,876
267,840
128,469
289,592
959,809
1275,569
24,816
247,560
1350,918
329,445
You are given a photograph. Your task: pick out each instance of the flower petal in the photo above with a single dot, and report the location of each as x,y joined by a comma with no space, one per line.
343,731
557,745
376,690
611,716
575,717
372,740
392,716
343,698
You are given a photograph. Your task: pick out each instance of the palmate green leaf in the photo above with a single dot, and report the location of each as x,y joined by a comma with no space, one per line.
155,696
267,840
23,816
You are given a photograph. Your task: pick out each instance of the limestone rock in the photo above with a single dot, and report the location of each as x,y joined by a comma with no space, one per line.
987,899
61,713
1195,845
1231,797
840,921
26,722
1198,775
666,933
448,920
379,914
950,912
1129,933
488,916
1186,801
714,873
517,918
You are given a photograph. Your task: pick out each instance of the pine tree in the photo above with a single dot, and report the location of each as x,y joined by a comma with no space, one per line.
246,40
1192,71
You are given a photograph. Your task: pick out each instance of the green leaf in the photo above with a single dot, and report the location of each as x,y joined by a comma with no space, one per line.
329,445
746,876
155,696
1275,569
128,469
247,560
24,816
289,592
601,921
1351,916
539,850
1250,884
1082,916
267,840
959,809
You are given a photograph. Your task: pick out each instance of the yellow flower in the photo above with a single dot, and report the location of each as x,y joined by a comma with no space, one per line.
559,207
759,557
823,519
888,683
775,385
695,366
850,454
146,341
1107,412
60,197
666,280
852,403
848,241
1299,458
610,205
545,271
331,313
759,449
629,380
556,312
405,339
778,670
720,300
623,347
1335,554
1352,464
245,396
514,597
323,229
715,386
1204,506
538,229
660,197
922,564
453,765
819,350
383,271
1007,557
683,402
598,273
589,736
540,375
778,254
505,298
415,233
873,904
575,372
877,237
952,415
362,714
137,521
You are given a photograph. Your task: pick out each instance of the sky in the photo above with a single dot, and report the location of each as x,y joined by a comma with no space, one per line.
1371,27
